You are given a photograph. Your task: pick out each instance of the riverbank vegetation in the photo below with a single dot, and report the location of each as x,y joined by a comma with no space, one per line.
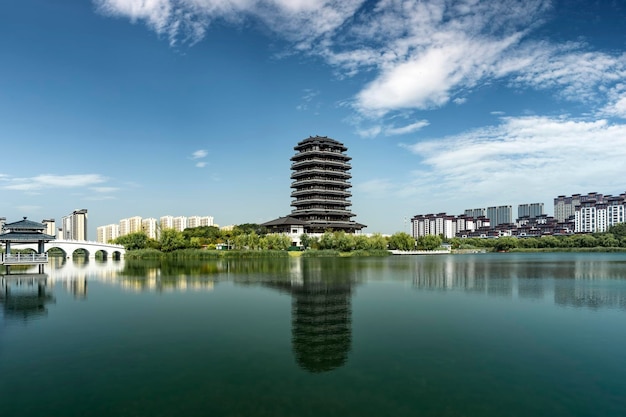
252,240
613,240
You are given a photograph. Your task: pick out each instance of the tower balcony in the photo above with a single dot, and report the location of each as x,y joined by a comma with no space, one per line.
320,154
320,181
320,172
320,162
320,191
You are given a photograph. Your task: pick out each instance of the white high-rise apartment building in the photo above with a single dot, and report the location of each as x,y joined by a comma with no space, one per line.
74,225
150,227
197,221
51,228
108,233
167,222
597,216
180,223
130,225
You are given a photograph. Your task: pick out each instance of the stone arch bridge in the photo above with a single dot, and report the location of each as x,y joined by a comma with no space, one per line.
109,251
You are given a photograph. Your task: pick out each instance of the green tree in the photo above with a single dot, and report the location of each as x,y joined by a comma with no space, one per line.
403,241
172,240
327,241
505,243
378,242
134,241
428,242
305,240
618,230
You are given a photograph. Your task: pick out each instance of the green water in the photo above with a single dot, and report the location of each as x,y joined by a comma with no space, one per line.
465,335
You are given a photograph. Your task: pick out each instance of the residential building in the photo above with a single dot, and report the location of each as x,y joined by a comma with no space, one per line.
198,221
500,215
150,227
167,222
475,213
108,233
179,223
565,206
74,225
130,225
531,210
446,225
595,216
50,227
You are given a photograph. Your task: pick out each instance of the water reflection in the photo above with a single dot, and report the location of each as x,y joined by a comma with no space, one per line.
574,280
321,311
24,296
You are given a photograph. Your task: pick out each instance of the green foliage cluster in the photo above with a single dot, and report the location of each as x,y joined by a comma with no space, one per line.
252,237
341,241
615,237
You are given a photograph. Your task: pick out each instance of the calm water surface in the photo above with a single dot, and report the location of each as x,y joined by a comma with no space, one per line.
463,335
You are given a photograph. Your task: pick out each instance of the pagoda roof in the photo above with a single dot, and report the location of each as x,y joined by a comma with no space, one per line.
25,237
285,221
24,224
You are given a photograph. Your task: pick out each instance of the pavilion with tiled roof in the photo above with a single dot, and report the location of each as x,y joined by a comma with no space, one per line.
24,231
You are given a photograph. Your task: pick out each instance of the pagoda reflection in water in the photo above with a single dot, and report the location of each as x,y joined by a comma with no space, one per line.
321,325
321,312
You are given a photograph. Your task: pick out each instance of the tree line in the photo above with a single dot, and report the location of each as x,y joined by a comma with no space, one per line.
252,236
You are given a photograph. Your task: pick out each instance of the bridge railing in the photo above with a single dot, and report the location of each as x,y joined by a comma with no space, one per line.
23,258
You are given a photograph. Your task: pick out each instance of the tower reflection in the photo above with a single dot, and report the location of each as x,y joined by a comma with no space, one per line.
321,325
321,312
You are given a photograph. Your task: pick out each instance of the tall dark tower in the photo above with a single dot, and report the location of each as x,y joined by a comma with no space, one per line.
321,188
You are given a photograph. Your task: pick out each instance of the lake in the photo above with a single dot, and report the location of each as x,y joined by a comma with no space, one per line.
443,335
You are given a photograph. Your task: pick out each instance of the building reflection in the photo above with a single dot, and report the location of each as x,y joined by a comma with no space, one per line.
321,312
573,283
24,296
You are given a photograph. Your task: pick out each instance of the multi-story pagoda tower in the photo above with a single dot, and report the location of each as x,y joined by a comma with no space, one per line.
321,186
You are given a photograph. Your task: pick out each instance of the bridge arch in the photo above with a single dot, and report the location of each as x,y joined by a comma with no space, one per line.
69,247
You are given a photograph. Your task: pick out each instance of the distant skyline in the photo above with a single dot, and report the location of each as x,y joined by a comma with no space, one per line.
193,107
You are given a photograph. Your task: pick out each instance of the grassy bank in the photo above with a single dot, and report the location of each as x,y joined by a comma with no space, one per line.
203,254
596,249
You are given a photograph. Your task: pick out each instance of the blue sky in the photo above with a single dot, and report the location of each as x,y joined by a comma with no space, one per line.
193,107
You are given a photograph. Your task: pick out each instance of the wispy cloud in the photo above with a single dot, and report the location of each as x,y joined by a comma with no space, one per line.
200,153
197,155
417,54
104,189
538,157
46,181
307,98
413,127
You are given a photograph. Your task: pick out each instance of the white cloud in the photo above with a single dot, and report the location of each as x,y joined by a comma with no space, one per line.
413,127
419,54
200,153
301,21
307,98
200,164
104,189
45,181
459,100
526,158
616,106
